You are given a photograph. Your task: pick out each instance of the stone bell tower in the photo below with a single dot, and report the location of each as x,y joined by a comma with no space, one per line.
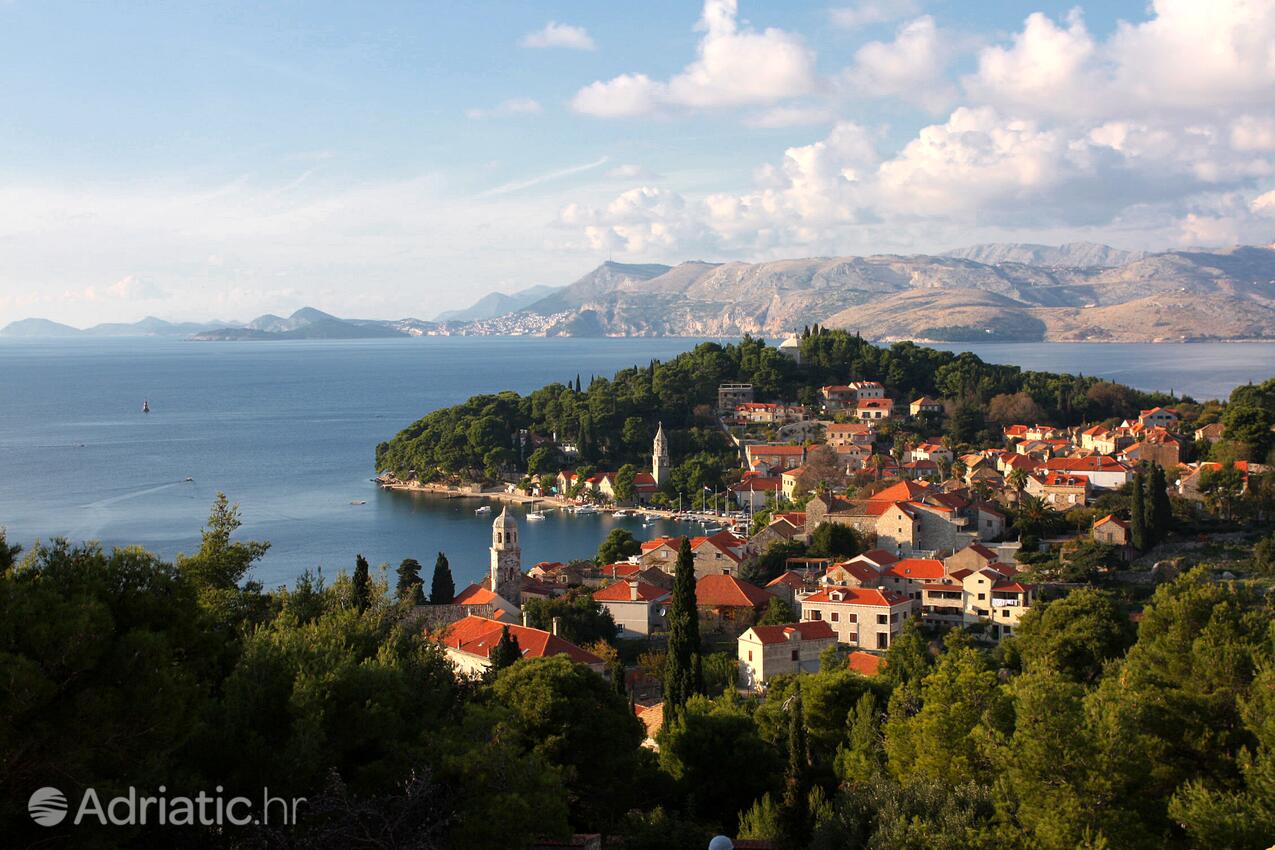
506,559
659,458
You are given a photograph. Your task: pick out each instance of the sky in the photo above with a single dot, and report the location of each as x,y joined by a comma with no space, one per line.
197,160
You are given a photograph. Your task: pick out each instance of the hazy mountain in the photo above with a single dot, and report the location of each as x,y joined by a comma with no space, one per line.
1227,294
306,323
605,279
34,328
1072,254
497,304
149,326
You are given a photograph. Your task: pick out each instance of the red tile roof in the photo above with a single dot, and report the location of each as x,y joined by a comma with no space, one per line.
720,591
622,591
1112,519
902,492
789,578
479,635
857,596
807,630
917,568
864,572
1092,463
865,663
475,594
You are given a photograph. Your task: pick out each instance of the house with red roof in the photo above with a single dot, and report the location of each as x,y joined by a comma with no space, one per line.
780,530
1111,531
925,406
838,434
715,554
788,585
468,644
774,458
730,598
1163,417
874,409
907,576
752,491
769,651
853,573
990,595
865,618
637,607
1104,473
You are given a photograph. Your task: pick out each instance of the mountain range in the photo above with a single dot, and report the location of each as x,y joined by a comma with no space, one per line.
994,292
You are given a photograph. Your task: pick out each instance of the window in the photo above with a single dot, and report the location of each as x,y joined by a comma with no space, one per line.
881,619
794,655
750,655
834,617
853,618
982,596
816,615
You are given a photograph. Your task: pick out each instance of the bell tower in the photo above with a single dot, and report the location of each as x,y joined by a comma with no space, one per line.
506,559
659,458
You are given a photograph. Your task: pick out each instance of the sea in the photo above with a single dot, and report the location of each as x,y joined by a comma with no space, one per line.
287,430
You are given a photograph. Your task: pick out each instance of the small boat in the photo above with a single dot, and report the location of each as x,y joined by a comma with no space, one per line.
485,509
586,509
146,405
358,502
535,515
189,479
623,512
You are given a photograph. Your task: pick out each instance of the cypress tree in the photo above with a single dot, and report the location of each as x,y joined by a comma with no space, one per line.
617,679
1138,513
409,582
442,590
794,809
683,674
1161,509
504,653
362,584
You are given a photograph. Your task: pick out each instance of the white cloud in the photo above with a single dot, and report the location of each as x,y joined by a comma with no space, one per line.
791,116
870,12
519,185
1046,69
736,66
507,108
910,68
555,34
1057,134
631,171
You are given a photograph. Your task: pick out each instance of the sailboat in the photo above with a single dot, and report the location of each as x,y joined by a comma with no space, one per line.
146,405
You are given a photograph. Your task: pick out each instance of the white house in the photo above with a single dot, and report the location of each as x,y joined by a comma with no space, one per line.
768,651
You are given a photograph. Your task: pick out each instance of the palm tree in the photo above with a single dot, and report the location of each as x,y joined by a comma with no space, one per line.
958,470
1017,478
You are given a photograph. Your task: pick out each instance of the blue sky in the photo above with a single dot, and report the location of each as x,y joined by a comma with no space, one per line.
391,159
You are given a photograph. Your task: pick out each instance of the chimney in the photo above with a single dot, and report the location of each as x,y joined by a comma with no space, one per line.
524,619
557,621
633,591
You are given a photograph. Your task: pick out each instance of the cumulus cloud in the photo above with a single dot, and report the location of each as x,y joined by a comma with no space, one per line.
554,34
911,67
791,116
1054,132
871,12
505,109
736,66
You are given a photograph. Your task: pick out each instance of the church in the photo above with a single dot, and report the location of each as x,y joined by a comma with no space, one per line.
501,591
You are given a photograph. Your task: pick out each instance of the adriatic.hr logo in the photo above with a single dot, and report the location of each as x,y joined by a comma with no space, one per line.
48,807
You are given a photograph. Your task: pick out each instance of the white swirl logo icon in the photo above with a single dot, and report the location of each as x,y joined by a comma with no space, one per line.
47,806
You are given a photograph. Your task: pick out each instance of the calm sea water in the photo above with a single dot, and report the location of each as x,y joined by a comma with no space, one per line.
287,429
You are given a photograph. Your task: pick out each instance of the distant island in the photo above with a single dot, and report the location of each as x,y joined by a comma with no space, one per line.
1002,292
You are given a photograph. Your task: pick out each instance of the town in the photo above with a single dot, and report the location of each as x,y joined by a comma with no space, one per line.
857,525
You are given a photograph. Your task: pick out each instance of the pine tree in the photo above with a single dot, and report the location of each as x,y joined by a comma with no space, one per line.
577,382
362,584
1138,513
794,808
442,590
409,582
504,653
1161,509
683,673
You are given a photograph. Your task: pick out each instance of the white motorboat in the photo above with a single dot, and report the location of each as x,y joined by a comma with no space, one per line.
485,509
